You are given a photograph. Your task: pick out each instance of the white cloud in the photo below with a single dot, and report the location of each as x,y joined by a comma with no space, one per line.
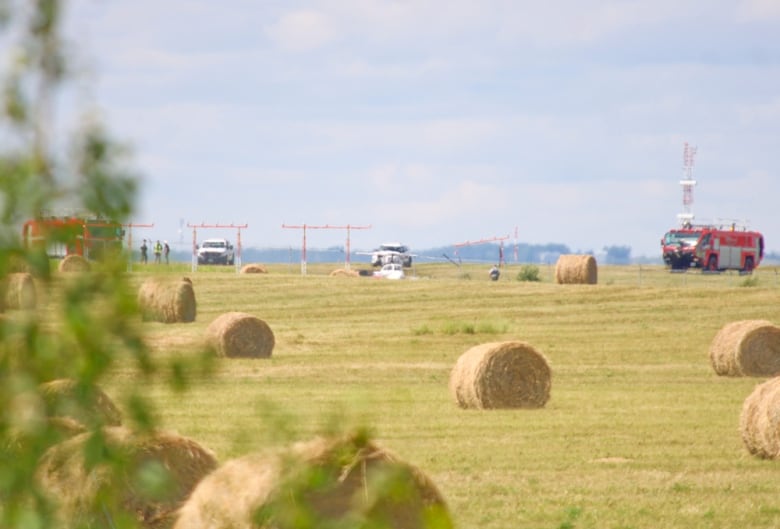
564,24
303,30
400,23
394,179
413,69
463,199
458,133
760,113
758,10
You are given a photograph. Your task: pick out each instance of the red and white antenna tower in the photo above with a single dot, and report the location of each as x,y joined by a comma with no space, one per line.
687,183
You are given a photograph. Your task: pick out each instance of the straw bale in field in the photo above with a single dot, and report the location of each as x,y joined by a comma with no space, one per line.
237,334
19,291
67,427
16,438
167,301
746,348
344,481
342,272
759,422
64,397
254,268
572,269
74,263
159,473
501,375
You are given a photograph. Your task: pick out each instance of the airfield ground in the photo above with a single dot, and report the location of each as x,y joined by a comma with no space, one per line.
639,431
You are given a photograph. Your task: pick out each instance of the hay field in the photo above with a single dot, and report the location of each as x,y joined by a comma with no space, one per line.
639,431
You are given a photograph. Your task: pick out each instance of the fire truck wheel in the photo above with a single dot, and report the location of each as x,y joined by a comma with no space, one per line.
712,264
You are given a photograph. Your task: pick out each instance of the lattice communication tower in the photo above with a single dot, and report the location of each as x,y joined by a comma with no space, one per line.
687,183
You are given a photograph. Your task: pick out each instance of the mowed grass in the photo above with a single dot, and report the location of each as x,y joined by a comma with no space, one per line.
639,432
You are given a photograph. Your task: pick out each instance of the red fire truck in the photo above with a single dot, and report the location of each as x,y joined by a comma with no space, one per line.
730,249
90,237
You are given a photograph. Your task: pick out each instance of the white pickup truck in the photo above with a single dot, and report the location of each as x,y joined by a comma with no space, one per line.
216,251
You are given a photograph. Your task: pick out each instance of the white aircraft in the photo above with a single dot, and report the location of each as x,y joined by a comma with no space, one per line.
390,271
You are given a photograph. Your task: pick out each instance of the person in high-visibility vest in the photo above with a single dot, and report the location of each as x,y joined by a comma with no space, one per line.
157,252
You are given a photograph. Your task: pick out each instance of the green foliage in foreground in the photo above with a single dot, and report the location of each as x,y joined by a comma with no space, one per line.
82,323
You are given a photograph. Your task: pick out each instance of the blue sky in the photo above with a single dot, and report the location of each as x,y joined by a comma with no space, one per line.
437,122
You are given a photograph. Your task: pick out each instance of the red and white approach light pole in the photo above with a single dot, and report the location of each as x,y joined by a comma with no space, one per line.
483,241
130,227
305,227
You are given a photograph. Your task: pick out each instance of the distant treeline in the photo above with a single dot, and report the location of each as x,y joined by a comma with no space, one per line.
487,253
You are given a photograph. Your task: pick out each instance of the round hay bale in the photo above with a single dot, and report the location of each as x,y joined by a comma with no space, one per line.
67,427
19,291
253,269
74,263
240,335
574,269
83,490
501,375
167,301
60,429
65,398
342,272
759,422
746,348
335,481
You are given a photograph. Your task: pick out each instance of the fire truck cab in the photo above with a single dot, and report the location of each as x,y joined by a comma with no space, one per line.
678,247
92,238
730,249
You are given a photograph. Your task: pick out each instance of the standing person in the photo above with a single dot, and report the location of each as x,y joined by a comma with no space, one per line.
157,252
144,248
166,251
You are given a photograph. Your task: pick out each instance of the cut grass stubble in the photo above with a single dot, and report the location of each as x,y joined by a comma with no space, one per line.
638,431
